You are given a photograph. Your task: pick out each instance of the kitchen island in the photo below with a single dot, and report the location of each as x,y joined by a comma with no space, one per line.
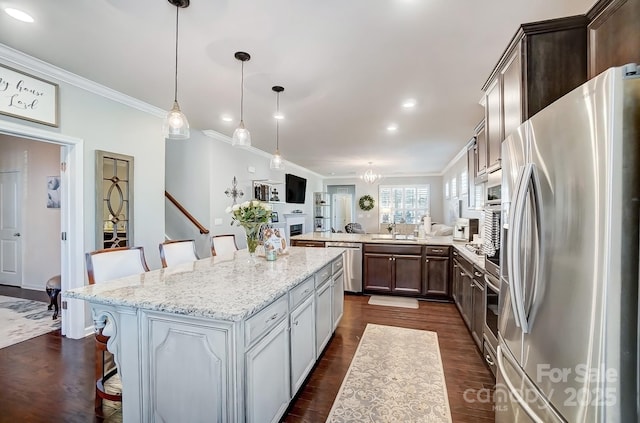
221,339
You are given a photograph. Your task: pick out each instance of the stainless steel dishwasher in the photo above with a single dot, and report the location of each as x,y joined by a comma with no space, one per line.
352,264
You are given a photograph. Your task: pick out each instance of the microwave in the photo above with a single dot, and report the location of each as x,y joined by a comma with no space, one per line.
494,188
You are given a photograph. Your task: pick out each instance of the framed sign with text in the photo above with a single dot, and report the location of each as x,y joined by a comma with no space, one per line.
28,97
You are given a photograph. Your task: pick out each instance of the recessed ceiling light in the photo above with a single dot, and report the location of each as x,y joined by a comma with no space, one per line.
19,15
409,103
278,115
226,118
392,127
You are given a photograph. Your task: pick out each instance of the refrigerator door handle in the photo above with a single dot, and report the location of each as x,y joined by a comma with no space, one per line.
537,219
524,405
510,237
516,238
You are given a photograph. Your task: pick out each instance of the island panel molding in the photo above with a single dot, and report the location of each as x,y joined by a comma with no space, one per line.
28,97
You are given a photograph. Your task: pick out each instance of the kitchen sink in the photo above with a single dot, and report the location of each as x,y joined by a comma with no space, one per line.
390,237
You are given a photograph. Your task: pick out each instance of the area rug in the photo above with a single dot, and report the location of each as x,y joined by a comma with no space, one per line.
24,319
395,376
393,301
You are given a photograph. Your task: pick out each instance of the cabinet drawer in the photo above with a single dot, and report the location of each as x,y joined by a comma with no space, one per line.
440,251
300,292
337,264
393,249
466,265
323,274
264,320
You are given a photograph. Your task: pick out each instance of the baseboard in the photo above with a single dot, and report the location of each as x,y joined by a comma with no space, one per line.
89,331
33,287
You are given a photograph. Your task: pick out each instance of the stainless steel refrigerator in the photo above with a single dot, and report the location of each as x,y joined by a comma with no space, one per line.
568,324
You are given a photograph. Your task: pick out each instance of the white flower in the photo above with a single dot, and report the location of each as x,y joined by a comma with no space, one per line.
245,204
227,210
235,207
267,207
255,203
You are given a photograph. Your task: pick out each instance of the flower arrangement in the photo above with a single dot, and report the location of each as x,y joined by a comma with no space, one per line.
251,215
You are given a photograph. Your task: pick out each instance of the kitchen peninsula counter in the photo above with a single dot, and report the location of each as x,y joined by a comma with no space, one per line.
476,259
220,339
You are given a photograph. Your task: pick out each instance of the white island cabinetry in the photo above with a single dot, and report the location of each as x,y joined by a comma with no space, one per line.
205,342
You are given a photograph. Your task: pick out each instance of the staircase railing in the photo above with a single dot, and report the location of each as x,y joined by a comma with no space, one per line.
188,215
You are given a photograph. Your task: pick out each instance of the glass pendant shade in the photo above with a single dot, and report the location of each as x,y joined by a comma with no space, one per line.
276,162
241,136
175,125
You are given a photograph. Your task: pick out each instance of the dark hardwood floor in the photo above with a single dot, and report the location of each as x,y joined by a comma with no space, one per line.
50,378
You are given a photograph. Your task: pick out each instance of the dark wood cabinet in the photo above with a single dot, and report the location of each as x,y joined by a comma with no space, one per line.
462,287
393,269
613,37
471,173
436,272
378,271
478,307
544,61
303,243
408,271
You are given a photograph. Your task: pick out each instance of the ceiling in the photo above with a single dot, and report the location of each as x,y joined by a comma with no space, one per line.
346,67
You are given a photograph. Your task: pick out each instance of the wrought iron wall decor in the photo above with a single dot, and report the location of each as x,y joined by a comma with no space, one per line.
234,192
114,200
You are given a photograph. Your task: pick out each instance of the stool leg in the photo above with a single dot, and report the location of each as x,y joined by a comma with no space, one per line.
56,295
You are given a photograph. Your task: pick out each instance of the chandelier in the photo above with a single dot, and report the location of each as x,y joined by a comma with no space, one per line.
370,177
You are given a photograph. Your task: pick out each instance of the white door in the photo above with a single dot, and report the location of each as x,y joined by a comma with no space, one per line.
10,222
342,211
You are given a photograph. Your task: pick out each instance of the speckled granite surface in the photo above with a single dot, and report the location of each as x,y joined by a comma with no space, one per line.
222,287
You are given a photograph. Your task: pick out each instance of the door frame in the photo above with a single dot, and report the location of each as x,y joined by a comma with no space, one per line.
72,220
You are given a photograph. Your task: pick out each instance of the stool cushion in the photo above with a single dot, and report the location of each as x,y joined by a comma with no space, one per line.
54,282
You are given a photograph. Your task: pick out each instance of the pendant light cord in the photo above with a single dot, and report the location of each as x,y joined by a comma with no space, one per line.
175,92
242,92
277,123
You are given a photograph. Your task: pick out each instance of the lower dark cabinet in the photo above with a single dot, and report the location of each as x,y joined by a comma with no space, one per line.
436,276
394,274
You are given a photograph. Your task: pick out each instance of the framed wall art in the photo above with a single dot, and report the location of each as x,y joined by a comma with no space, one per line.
28,97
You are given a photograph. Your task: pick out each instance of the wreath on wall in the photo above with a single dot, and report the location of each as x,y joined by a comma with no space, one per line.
366,202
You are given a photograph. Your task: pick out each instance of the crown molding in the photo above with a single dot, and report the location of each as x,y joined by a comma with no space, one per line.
457,157
30,63
226,139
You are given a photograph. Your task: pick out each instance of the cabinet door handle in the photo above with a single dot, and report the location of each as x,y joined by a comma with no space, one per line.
427,261
489,360
273,317
390,258
477,274
295,323
461,273
305,291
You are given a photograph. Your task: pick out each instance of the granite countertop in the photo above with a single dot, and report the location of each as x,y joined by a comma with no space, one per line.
222,287
475,259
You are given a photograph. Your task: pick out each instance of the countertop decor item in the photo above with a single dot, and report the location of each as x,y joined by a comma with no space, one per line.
366,202
176,125
251,215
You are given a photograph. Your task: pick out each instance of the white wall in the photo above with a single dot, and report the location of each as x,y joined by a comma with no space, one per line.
454,171
40,232
369,219
199,170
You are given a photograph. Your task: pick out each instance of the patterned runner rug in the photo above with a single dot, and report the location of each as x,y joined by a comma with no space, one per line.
395,376
24,319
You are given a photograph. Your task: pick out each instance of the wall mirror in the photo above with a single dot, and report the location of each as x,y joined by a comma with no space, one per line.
114,200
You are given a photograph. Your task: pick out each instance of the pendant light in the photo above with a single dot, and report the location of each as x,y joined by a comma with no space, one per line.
241,136
370,177
176,126
276,160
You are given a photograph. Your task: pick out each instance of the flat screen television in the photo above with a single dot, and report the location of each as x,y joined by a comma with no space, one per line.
296,188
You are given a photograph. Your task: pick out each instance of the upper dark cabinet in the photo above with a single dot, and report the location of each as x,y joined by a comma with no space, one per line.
544,61
614,34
